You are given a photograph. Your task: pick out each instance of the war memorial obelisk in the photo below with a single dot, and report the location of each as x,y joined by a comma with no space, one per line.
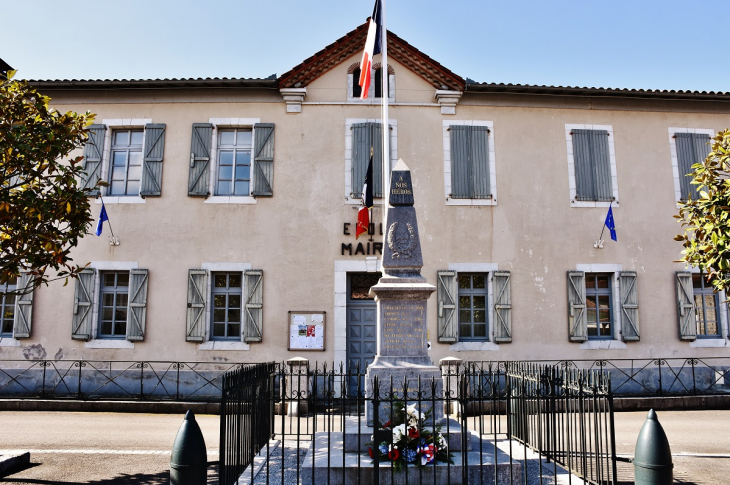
401,295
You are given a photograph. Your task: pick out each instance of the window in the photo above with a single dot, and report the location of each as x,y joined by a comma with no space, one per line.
231,159
126,162
474,305
114,299
234,162
469,164
376,80
7,309
226,296
599,308
360,136
591,165
706,307
688,147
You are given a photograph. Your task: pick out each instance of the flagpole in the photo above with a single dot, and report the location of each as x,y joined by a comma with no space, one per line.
384,124
107,216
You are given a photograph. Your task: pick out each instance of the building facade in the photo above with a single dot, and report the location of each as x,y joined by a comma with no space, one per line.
234,203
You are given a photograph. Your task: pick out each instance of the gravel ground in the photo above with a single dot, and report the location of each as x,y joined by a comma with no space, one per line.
290,462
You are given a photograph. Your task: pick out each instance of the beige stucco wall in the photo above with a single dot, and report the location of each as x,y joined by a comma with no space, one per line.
296,236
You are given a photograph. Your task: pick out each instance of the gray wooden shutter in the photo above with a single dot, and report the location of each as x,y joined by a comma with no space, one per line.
447,294
469,162
502,307
254,310
93,151
199,173
692,148
263,160
154,149
83,305
592,165
459,138
24,306
577,319
601,165
365,135
138,281
480,188
197,288
685,306
629,306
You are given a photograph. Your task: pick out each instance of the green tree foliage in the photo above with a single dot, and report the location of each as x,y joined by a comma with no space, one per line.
43,209
706,220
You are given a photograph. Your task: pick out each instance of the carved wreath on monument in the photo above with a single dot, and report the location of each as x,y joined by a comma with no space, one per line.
401,241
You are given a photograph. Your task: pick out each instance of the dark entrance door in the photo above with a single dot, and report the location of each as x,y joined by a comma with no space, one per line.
361,326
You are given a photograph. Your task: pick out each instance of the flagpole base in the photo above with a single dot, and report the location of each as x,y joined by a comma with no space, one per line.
598,244
113,241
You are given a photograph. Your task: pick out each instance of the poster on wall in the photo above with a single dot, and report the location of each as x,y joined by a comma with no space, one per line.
306,330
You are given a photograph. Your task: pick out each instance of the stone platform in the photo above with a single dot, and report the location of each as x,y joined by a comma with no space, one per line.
357,434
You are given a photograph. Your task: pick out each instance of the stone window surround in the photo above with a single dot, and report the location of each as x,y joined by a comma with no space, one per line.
348,154
722,339
371,99
673,154
213,165
571,165
111,125
614,343
447,163
489,269
103,343
209,344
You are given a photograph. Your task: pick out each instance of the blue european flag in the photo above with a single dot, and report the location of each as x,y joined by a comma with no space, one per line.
610,224
103,217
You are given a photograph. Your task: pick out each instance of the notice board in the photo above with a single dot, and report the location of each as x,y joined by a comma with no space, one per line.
307,330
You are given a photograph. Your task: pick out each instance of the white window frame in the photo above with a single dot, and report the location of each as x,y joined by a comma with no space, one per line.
371,99
722,339
111,126
615,343
488,269
9,340
447,163
675,159
209,344
229,123
571,166
106,343
348,156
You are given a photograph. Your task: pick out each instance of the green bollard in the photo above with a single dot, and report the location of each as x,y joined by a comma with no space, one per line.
652,457
189,459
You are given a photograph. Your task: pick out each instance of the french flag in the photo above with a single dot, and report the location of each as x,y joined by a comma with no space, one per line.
372,47
363,215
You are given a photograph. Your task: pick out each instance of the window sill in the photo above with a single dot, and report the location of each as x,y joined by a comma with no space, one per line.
587,203
377,201
9,342
478,346
225,199
603,345
109,344
132,199
221,345
709,342
450,201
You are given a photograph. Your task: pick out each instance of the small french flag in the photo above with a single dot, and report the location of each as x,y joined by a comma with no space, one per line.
372,47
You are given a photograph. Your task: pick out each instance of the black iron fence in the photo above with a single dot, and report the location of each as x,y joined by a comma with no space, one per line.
113,380
460,425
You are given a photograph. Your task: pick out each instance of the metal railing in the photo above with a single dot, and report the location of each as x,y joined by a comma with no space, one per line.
113,380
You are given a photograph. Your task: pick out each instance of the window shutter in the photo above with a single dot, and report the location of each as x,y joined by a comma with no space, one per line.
502,307
480,188
584,187
601,165
93,151
685,306
24,306
447,294
254,311
138,279
263,160
197,289
629,306
200,160
154,149
365,135
691,148
83,304
577,320
460,147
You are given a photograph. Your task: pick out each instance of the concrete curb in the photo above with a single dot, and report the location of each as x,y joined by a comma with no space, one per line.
666,403
10,463
152,407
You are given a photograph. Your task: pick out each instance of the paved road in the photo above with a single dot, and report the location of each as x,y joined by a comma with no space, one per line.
111,448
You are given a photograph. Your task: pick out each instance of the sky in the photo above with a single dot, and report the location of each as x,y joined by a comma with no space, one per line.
641,44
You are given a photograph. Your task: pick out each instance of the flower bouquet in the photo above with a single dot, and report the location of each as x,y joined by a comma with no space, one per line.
405,440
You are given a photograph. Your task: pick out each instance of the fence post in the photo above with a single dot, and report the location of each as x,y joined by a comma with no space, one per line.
298,386
450,373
